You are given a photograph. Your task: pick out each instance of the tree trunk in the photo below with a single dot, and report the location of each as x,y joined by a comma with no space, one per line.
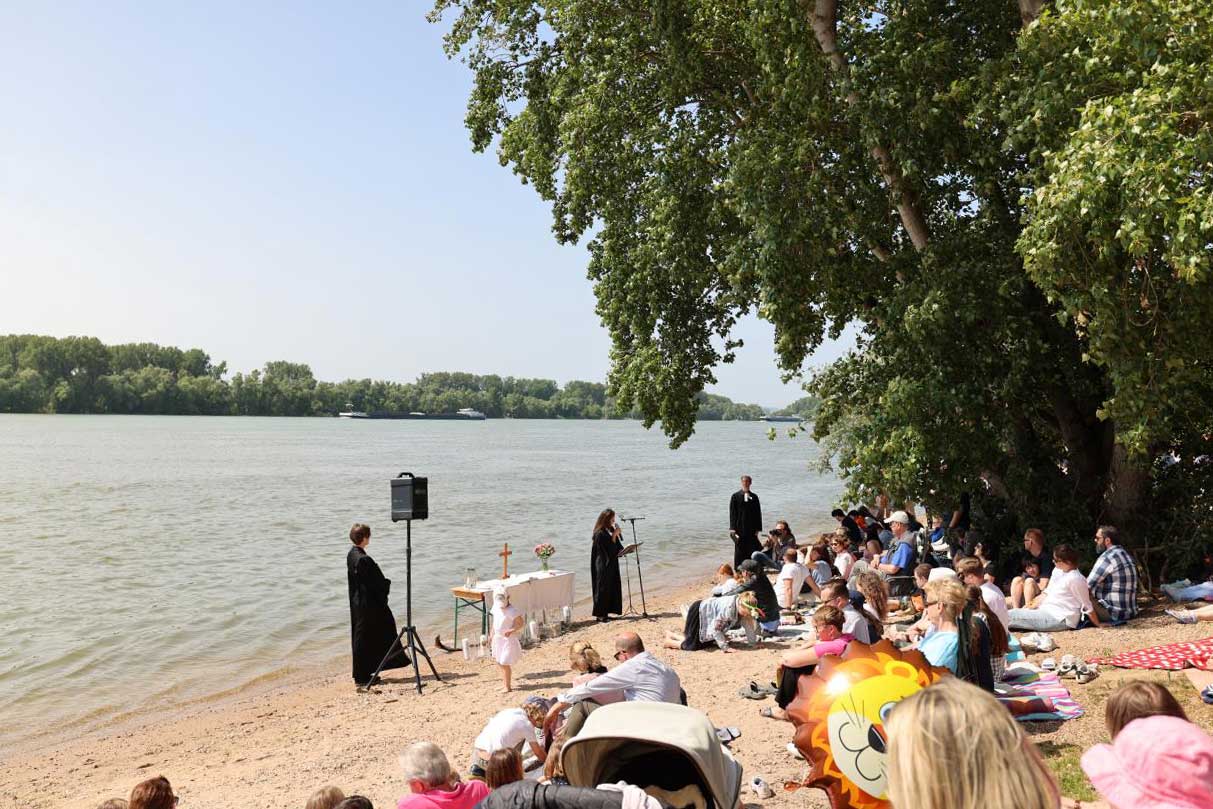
1126,496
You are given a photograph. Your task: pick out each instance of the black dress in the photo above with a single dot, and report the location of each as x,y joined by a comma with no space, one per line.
745,517
604,574
372,625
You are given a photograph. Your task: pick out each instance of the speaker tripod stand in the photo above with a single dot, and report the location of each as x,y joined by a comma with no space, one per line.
634,550
413,645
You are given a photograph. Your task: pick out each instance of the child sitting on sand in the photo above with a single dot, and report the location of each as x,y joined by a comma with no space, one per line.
507,623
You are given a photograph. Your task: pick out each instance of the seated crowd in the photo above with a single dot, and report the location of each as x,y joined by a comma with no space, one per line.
870,579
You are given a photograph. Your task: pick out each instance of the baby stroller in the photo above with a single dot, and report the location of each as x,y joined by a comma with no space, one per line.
670,751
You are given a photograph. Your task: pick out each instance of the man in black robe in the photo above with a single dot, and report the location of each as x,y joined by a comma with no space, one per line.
372,625
745,521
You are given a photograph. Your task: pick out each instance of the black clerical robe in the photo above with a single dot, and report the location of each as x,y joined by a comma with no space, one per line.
604,574
745,517
372,625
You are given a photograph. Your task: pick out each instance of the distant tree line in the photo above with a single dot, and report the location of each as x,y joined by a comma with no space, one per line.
83,375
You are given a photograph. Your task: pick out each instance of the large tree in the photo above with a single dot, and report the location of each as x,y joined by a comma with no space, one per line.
1012,201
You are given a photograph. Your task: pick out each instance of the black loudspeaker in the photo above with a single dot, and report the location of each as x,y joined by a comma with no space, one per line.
410,497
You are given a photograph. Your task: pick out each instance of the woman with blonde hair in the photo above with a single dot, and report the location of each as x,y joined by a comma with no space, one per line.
585,660
991,763
956,640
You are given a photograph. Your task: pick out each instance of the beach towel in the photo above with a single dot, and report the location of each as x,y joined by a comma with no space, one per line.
1022,684
1171,657
1014,650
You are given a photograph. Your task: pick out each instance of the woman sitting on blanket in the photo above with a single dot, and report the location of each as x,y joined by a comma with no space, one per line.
829,639
956,640
709,619
1063,603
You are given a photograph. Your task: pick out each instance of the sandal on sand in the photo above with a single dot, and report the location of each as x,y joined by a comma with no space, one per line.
1048,664
727,735
1086,673
771,689
767,712
751,692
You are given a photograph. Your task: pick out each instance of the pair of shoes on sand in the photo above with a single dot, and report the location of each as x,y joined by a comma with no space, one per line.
1034,642
1069,667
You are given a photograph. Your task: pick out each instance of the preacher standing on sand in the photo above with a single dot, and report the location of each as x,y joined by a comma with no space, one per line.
745,521
372,625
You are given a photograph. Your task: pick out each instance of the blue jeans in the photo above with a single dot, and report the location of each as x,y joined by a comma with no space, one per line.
765,560
1196,592
1037,621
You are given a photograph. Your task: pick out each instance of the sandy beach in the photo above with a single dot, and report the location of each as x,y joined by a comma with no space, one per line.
271,744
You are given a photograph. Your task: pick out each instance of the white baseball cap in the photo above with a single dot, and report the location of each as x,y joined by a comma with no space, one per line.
899,516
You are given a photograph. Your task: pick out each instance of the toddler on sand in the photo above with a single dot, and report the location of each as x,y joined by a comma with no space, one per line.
506,648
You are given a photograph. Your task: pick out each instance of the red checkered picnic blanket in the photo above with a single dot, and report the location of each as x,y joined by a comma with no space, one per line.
1174,656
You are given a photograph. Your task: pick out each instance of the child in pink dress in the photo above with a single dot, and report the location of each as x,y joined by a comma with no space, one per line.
504,643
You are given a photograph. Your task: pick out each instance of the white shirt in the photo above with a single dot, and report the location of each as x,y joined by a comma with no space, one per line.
843,562
795,572
642,678
851,619
997,603
1067,597
507,728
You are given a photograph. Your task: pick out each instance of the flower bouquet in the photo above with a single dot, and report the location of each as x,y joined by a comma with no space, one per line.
544,551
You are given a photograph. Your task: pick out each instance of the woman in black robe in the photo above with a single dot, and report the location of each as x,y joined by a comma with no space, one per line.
604,567
372,625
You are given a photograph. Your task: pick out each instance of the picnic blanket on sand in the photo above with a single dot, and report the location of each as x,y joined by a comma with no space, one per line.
1172,656
1023,684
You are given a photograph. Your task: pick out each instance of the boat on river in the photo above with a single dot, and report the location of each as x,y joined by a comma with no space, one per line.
463,414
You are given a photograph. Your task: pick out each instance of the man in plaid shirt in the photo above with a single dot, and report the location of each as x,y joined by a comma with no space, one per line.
1113,579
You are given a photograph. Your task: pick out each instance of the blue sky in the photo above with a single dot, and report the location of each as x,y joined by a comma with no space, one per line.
282,181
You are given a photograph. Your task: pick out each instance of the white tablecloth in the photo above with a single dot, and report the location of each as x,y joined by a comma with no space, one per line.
532,592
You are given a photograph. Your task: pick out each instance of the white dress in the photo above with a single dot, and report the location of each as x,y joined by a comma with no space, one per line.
506,651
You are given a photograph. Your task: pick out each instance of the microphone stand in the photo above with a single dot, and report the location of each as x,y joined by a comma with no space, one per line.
644,609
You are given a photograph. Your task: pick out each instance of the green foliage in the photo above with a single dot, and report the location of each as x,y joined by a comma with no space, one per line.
806,407
82,375
1015,212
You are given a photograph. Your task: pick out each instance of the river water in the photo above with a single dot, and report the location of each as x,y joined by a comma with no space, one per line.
151,560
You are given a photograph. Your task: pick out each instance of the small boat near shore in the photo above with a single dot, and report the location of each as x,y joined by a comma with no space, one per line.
780,418
463,414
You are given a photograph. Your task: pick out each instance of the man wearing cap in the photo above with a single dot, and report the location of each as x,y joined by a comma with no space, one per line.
745,521
900,558
756,581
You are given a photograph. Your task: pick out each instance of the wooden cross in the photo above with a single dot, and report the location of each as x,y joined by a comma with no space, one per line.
505,560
